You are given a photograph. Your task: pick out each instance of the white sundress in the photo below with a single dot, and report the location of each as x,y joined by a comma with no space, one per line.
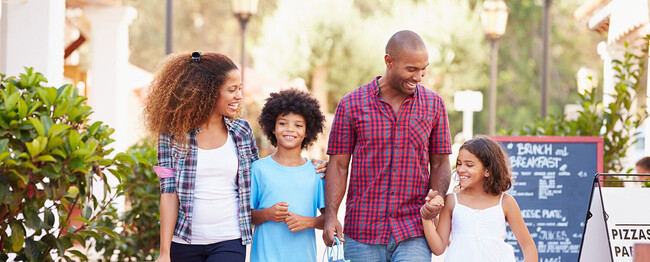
478,235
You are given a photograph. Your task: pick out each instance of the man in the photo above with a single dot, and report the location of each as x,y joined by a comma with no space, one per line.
398,133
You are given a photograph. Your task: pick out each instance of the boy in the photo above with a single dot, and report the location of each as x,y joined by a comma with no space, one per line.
286,192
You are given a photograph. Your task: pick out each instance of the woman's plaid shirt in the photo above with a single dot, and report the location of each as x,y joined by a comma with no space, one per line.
182,161
389,178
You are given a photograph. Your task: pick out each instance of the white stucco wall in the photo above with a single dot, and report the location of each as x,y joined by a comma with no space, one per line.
31,34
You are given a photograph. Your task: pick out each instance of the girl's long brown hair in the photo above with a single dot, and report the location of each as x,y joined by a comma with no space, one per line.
495,160
184,93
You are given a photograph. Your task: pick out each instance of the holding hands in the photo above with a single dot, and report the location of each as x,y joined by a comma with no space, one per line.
432,205
279,212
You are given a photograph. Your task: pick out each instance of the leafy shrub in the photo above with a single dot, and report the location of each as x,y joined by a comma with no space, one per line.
51,157
139,229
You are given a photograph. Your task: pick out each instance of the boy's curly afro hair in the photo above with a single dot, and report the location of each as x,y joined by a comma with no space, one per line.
292,101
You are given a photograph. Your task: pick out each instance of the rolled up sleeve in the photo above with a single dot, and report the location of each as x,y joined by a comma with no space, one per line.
165,168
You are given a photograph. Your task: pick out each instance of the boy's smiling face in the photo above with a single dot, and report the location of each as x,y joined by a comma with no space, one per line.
290,131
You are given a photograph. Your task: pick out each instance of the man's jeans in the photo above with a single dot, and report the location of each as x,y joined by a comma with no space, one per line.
411,250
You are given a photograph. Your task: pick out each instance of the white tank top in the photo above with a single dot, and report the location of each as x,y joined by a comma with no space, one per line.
215,215
478,235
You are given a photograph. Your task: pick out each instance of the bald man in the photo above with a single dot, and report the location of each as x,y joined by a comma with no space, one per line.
398,133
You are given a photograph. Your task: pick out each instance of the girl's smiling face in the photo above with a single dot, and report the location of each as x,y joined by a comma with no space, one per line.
470,170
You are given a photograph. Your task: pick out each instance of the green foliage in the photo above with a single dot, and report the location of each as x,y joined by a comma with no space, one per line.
51,157
350,45
138,237
198,25
354,36
616,122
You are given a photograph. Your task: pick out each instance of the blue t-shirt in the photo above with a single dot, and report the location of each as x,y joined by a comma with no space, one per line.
303,190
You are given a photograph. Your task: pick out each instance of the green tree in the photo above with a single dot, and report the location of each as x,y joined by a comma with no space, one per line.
616,122
349,46
203,25
51,159
338,45
571,46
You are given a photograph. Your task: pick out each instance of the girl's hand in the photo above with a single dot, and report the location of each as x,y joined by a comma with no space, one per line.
163,258
297,222
437,201
321,166
279,211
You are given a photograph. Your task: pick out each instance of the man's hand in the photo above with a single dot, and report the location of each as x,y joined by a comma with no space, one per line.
279,211
429,210
297,222
332,229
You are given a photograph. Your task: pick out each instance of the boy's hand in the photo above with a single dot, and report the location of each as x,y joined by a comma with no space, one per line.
279,211
297,222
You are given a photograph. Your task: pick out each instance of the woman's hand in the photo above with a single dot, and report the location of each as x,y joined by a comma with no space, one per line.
163,258
321,166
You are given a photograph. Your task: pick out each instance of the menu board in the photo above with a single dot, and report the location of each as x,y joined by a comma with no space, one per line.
552,185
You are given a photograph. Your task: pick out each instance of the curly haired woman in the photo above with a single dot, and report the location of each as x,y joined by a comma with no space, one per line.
204,158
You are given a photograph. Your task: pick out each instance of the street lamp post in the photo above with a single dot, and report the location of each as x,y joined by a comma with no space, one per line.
546,33
168,26
494,18
243,10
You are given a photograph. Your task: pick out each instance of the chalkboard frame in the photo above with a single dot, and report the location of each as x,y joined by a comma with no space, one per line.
559,139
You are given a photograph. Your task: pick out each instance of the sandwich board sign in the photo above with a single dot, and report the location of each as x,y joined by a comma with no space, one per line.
618,218
552,181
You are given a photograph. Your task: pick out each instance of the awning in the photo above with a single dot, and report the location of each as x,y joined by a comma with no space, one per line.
627,16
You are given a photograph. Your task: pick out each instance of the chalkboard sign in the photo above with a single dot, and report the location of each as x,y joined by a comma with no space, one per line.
552,185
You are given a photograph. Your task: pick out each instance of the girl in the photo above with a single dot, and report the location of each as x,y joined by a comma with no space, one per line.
475,218
204,158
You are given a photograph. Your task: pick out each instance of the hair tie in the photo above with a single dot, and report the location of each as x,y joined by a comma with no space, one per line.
196,56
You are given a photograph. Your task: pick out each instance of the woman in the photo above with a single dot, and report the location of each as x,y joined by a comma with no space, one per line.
204,155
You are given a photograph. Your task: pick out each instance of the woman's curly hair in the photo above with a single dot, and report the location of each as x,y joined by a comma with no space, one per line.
184,93
495,160
292,101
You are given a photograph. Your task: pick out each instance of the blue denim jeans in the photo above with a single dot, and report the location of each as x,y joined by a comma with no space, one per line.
410,249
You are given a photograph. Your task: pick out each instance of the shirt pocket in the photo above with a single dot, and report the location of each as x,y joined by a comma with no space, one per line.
419,131
363,128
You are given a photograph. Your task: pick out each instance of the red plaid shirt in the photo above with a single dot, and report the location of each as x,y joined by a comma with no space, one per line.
390,160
